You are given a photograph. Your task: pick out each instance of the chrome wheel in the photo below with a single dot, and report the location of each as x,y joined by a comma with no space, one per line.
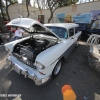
57,68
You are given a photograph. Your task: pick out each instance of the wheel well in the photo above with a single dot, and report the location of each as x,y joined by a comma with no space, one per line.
63,59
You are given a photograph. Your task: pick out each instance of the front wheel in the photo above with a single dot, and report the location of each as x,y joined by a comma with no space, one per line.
57,68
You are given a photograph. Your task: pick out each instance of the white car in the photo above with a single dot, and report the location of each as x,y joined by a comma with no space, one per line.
39,56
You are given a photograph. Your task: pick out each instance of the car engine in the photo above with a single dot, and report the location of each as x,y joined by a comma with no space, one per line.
27,50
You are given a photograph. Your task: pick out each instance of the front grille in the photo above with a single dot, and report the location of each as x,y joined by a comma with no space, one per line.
27,62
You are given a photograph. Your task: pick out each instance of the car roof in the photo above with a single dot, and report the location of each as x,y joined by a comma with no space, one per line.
64,25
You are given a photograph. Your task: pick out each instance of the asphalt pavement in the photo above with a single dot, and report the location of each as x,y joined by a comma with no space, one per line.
75,72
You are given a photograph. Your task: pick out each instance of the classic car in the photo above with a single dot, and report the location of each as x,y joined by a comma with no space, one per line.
39,56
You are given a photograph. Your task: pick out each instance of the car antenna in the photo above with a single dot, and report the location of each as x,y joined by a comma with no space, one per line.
20,16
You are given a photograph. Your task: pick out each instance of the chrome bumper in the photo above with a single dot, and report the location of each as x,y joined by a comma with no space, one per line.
27,73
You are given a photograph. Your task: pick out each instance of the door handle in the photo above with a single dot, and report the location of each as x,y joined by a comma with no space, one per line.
72,38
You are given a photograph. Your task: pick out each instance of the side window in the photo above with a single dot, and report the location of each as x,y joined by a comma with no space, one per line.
71,32
76,30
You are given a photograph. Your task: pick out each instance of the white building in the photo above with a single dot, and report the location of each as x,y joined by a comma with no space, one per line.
16,9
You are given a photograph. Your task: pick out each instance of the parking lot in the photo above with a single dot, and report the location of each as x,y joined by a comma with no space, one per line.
75,72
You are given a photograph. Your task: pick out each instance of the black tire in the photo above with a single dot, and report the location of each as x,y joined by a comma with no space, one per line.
77,43
57,69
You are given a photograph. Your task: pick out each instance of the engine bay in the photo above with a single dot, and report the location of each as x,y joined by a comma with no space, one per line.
27,50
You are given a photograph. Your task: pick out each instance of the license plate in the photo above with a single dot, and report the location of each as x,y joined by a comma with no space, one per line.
17,69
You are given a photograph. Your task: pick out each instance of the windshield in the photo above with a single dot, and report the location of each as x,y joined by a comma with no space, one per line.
37,29
59,31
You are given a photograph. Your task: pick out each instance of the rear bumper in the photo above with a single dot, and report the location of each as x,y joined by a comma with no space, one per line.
28,72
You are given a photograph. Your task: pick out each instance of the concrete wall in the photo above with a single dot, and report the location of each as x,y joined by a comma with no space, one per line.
16,9
80,8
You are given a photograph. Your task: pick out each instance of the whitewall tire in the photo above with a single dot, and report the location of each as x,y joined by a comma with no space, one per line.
57,68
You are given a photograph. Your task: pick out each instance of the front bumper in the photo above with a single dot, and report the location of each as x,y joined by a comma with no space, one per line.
28,72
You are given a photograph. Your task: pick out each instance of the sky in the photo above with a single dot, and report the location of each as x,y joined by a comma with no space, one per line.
31,1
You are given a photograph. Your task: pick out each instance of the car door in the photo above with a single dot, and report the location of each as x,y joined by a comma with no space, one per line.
77,34
70,42
72,38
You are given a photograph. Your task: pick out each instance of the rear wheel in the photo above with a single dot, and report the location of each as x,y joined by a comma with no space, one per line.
77,43
57,68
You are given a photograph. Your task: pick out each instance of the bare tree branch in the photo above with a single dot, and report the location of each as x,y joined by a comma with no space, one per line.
27,3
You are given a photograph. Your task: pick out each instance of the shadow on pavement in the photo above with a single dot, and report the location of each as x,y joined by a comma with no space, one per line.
75,72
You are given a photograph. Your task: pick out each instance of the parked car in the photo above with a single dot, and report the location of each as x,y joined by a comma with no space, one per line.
39,56
87,30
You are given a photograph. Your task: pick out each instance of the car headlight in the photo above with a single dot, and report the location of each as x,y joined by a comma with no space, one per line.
39,65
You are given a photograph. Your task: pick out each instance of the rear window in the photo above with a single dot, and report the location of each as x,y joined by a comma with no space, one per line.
71,32
76,29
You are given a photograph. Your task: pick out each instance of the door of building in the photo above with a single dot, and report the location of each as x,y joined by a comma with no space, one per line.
41,18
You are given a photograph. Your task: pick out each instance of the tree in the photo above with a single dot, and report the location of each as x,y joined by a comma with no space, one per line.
37,1
2,16
2,9
7,10
23,1
4,12
8,3
3,29
52,5
41,4
27,3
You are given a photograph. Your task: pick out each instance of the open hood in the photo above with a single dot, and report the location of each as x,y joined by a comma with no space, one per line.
28,24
